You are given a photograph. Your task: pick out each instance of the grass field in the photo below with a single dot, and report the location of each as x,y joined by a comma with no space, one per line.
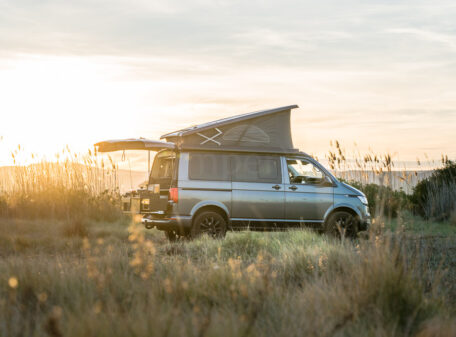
71,265
100,279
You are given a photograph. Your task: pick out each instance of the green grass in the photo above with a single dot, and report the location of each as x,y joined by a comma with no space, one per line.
416,225
118,282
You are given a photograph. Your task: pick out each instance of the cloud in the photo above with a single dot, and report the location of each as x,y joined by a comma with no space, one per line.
359,70
270,32
447,40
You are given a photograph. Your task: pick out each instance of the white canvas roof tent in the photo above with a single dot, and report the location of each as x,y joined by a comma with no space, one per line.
260,131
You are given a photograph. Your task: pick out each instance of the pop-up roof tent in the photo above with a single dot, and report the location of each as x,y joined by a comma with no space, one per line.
261,131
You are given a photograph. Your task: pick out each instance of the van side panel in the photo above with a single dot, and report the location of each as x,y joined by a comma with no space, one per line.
258,191
194,194
257,201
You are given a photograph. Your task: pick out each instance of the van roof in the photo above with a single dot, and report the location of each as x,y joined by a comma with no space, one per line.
296,153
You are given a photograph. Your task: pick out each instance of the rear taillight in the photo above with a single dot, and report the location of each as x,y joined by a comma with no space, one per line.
173,194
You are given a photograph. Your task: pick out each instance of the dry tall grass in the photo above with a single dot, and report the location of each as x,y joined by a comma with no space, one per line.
378,168
71,277
118,282
87,187
391,189
77,186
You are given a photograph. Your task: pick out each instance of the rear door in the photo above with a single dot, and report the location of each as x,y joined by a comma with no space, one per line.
133,144
163,171
257,188
307,195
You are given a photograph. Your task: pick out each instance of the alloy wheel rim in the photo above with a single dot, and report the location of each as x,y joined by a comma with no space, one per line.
210,226
343,225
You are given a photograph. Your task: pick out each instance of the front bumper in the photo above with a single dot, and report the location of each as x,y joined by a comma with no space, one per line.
177,223
365,223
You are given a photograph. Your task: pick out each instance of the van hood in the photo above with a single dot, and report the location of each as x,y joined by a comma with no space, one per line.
353,190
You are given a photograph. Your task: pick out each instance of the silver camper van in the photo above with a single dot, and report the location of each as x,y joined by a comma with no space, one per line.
239,173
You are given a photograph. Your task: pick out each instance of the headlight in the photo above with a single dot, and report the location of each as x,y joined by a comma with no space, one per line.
363,199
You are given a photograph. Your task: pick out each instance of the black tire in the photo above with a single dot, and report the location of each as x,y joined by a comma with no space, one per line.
173,236
210,223
342,223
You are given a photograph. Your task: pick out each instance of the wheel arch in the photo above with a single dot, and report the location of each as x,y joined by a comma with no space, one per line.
346,208
208,206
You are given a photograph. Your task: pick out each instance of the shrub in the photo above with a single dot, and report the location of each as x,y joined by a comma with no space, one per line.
453,216
435,197
383,200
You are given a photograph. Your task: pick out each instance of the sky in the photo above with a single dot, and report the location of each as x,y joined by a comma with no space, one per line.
379,74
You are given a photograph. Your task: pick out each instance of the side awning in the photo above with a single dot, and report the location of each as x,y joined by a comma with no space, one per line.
133,144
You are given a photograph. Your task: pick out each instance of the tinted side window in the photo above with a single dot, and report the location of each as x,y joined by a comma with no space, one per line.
209,166
163,166
304,172
261,169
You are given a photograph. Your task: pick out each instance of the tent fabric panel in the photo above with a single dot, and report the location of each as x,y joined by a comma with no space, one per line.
267,132
224,121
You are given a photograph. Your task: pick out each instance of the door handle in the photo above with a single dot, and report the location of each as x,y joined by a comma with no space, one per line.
293,188
276,187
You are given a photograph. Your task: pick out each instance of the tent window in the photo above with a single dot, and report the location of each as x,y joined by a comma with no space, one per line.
246,133
209,166
261,169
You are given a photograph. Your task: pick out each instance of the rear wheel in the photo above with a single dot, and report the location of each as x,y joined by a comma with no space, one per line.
210,223
173,235
342,223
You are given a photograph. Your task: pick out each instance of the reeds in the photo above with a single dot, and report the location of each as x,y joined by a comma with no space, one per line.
375,168
72,186
392,188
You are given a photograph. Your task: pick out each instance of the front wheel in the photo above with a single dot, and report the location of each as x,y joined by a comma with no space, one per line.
210,223
342,224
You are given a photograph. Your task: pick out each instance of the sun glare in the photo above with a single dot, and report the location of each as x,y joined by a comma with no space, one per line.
50,102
